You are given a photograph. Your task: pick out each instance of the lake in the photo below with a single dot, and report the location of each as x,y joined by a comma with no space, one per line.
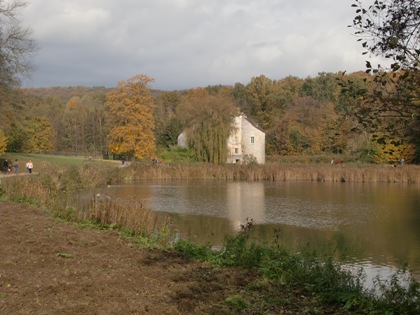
376,226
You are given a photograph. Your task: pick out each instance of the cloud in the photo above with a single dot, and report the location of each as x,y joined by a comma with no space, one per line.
189,43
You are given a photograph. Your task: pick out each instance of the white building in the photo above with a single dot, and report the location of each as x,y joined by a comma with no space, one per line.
245,144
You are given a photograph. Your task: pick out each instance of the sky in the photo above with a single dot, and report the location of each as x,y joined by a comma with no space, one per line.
184,44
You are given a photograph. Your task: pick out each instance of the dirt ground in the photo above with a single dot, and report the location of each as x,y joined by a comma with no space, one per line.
49,266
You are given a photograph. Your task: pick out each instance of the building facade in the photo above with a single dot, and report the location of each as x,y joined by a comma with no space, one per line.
246,142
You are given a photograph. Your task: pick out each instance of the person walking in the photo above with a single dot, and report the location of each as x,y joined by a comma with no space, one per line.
16,166
6,166
30,166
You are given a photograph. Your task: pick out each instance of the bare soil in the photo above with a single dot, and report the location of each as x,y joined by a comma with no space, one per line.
50,266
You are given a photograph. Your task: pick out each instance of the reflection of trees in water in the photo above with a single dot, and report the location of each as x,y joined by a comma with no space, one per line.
377,223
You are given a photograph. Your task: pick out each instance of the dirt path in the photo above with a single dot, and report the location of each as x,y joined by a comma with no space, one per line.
48,266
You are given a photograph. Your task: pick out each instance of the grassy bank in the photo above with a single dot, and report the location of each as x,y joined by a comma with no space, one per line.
322,172
330,287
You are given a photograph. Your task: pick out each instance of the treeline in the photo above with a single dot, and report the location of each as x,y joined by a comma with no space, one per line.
320,115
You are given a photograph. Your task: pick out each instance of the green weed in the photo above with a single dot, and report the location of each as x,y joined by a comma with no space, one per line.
197,251
237,302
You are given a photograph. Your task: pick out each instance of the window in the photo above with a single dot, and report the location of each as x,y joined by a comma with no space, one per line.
252,139
236,150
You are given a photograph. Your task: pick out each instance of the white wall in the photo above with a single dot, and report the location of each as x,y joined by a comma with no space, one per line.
248,140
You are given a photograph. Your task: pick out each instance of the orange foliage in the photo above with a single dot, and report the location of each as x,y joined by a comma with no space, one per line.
130,118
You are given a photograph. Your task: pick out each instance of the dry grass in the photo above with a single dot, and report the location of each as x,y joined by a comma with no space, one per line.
54,190
130,216
276,172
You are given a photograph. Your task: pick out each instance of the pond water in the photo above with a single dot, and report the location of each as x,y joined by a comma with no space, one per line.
376,226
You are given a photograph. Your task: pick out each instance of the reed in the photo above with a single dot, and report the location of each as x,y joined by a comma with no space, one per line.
131,217
276,172
57,189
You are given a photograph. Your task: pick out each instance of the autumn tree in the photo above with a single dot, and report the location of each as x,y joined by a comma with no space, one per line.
208,121
95,131
16,45
389,152
73,125
129,116
83,125
32,134
3,142
41,135
391,29
308,127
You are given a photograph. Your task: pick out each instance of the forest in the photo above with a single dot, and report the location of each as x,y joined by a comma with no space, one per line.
316,116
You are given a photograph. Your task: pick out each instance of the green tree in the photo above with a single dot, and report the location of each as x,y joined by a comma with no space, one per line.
240,95
262,97
208,121
18,139
323,88
168,125
129,116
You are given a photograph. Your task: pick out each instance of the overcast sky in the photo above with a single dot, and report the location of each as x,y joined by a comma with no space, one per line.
183,44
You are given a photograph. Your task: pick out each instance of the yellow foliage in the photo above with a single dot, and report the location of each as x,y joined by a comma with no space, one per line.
392,153
42,135
130,118
3,142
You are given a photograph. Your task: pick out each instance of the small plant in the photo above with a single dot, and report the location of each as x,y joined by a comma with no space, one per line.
192,250
237,301
394,296
64,255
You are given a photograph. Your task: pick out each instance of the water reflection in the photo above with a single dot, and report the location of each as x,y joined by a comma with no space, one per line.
360,223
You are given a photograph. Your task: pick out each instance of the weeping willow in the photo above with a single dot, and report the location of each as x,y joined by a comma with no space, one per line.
209,140
210,122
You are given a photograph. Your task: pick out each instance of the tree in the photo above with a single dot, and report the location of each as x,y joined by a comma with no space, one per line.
391,153
168,125
74,117
18,139
16,45
308,127
323,88
41,135
391,29
263,94
129,116
208,121
3,142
